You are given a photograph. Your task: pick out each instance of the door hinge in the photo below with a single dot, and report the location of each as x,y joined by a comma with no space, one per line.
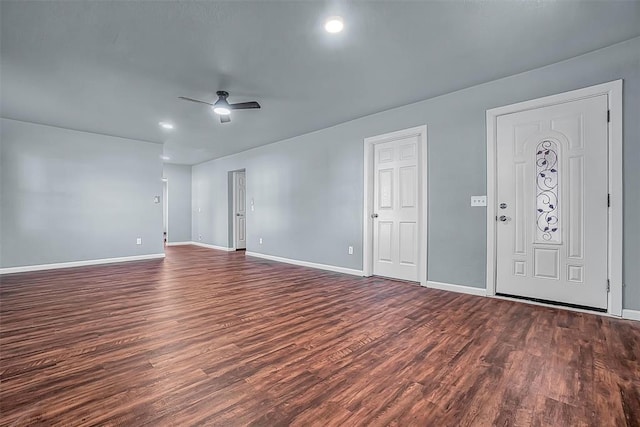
608,116
609,200
608,285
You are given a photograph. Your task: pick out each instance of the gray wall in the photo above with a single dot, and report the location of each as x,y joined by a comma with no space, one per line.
179,179
74,196
308,190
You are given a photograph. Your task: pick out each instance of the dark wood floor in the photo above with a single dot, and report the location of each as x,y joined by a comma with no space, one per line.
209,338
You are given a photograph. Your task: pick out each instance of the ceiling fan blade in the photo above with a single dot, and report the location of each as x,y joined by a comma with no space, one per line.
225,119
194,100
244,105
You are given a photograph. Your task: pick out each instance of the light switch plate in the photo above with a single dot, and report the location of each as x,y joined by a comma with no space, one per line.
478,200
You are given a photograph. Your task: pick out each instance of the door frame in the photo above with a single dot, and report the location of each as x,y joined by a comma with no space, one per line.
234,204
165,206
613,90
367,222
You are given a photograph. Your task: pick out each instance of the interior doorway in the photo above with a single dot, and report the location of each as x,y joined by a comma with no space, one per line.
165,210
239,211
395,205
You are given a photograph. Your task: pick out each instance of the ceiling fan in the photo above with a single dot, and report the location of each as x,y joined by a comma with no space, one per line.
222,107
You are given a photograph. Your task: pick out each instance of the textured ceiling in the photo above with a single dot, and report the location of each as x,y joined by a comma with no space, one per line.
117,68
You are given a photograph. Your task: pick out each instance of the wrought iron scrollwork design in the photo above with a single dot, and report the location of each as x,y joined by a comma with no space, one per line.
547,191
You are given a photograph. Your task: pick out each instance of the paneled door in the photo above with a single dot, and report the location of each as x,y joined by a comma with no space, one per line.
396,209
552,195
239,201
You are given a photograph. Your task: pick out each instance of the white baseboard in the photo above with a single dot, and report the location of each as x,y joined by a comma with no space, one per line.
457,288
343,270
179,243
27,268
206,245
630,314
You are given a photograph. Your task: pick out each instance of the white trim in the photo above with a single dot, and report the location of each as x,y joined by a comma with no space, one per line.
613,90
39,267
367,209
165,182
614,96
206,245
457,288
234,223
179,243
631,314
337,269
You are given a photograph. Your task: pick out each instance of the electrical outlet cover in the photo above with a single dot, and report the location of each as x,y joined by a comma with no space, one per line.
478,200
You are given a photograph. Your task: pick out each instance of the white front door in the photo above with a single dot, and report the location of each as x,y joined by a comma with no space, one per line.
239,201
552,172
396,204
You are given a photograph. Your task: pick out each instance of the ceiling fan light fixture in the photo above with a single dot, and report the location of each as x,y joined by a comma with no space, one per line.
222,107
221,110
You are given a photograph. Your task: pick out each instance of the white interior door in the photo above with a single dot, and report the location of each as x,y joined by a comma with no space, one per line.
552,191
165,210
396,204
239,201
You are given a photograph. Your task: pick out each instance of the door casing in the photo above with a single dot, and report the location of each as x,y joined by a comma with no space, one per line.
165,206
367,233
613,90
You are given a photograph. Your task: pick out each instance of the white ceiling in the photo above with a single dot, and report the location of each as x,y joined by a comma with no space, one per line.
117,68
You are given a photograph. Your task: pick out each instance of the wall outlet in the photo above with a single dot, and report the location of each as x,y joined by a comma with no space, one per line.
350,250
260,240
138,241
156,199
200,237
478,200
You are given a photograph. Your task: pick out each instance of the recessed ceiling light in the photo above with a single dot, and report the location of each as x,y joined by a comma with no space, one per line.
333,25
165,157
166,125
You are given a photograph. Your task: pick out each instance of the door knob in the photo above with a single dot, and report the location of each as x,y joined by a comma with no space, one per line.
239,214
374,215
503,218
